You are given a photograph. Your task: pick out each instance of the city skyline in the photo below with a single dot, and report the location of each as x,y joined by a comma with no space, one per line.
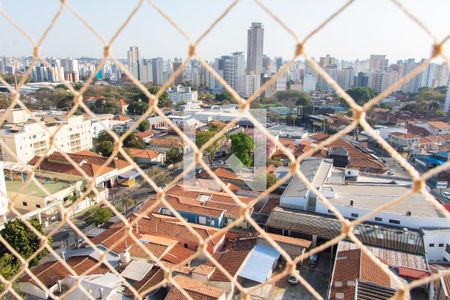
355,27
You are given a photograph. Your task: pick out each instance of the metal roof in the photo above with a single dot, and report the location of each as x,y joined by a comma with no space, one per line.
136,270
329,227
259,264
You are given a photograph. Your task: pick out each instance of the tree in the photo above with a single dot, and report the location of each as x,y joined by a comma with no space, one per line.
139,96
173,155
204,136
105,148
271,179
106,105
160,176
223,96
297,97
242,145
164,99
99,215
23,240
133,141
137,107
360,94
144,126
5,102
104,136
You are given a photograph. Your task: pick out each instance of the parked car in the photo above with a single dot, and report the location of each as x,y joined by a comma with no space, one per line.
313,261
446,195
292,279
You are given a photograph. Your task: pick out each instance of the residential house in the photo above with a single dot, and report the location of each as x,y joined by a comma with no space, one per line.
163,144
196,290
404,142
146,156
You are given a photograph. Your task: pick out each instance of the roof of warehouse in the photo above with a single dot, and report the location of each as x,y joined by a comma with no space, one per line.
260,263
329,227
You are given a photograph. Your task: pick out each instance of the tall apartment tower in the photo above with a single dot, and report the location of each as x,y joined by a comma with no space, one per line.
378,62
133,62
255,41
447,98
238,72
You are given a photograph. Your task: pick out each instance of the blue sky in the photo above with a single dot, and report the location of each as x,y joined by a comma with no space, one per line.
367,26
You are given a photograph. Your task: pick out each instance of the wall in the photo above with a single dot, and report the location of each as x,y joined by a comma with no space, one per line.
294,202
413,222
436,237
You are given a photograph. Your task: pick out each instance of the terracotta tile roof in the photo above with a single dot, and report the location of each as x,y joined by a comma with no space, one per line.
145,134
167,142
123,102
204,270
91,164
352,265
171,227
195,288
218,123
440,125
224,173
121,118
289,240
320,136
88,153
412,273
178,254
143,153
231,261
177,190
113,234
404,135
49,273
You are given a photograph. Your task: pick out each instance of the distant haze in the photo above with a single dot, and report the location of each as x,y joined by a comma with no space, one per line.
366,27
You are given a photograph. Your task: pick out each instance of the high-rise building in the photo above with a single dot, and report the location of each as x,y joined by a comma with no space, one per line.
71,69
158,70
255,41
146,71
345,77
378,62
327,60
361,80
252,84
447,98
175,66
133,62
323,84
309,82
238,72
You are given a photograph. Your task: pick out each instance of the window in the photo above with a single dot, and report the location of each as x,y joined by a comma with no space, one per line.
202,220
38,206
394,221
24,203
378,219
431,245
447,248
354,215
441,245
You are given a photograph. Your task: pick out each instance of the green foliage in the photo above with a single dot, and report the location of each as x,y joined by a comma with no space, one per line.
159,175
133,141
271,179
5,101
105,148
426,101
99,215
297,97
23,240
144,126
139,97
104,136
106,105
204,136
360,94
275,162
223,96
137,107
173,155
242,145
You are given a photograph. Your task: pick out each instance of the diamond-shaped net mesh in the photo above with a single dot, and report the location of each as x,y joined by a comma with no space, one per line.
130,224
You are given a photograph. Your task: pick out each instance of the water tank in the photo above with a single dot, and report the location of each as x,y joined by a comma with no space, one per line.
125,257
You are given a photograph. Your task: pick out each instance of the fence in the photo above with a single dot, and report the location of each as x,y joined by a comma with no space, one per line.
359,113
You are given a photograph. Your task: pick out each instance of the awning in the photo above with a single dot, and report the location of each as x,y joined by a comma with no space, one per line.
129,174
260,263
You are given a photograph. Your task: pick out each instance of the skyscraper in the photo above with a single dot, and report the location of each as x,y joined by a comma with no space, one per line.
238,72
255,41
378,62
133,62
